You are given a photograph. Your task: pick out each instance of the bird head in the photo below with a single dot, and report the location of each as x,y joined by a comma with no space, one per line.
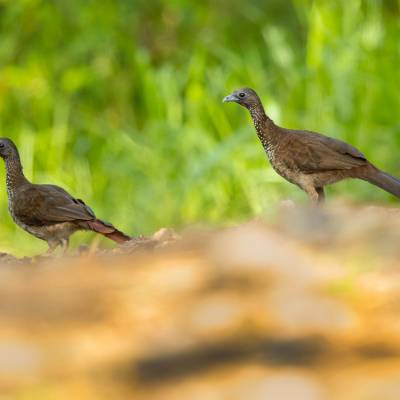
7,148
246,97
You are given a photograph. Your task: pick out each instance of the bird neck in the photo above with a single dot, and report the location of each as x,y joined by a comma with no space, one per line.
14,174
265,127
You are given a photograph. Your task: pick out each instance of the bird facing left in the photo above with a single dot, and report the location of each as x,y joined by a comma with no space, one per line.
48,212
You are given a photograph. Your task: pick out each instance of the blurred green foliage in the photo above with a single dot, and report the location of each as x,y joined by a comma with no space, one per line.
119,101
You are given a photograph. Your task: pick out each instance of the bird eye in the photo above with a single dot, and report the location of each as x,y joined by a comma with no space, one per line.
1,145
242,94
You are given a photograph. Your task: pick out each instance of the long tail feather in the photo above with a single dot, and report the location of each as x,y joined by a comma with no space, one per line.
108,230
384,181
118,236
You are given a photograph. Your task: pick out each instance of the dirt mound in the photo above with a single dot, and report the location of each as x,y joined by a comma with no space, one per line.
302,307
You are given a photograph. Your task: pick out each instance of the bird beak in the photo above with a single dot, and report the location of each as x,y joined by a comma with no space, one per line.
230,98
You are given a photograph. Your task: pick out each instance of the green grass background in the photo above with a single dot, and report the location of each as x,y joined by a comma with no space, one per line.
119,101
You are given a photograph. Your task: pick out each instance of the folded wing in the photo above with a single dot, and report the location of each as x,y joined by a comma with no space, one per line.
312,152
49,204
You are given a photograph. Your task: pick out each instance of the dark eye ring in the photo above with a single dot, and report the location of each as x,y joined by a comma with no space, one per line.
242,94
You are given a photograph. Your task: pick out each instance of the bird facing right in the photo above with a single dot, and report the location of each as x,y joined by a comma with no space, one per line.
308,159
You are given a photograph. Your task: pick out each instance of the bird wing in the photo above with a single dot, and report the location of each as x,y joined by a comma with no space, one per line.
312,152
49,204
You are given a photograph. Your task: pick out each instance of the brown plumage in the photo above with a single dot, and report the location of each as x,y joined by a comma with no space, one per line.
48,211
309,159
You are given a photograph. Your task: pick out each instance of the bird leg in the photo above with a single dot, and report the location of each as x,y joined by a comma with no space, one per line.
316,194
321,194
64,245
53,244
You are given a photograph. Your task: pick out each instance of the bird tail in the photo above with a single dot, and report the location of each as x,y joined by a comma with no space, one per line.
108,230
384,181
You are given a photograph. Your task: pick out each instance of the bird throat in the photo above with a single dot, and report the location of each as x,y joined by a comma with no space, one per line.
264,127
14,175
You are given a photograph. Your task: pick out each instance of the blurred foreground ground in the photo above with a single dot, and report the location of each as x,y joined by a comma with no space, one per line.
302,307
